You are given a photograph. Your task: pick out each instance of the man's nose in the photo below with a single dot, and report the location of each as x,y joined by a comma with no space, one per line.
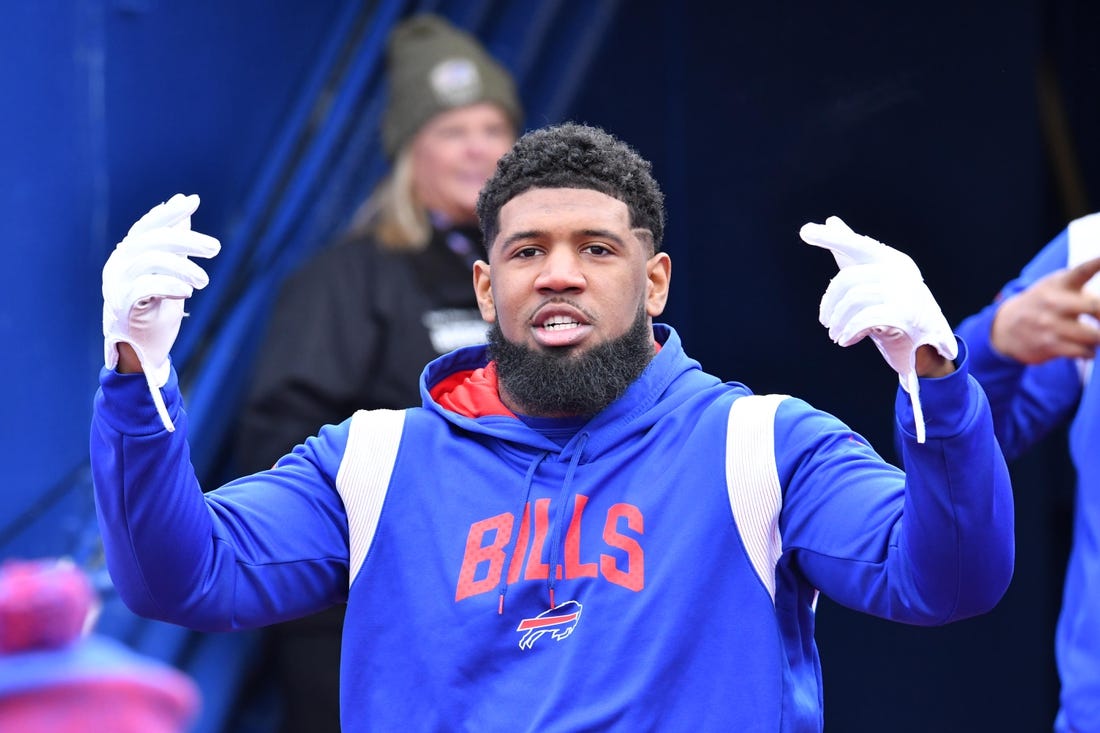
561,270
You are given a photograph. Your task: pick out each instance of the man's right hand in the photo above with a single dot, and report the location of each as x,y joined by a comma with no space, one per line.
1054,317
145,282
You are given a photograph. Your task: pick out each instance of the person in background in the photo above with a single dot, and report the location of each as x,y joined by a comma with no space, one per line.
58,676
579,529
355,325
1033,351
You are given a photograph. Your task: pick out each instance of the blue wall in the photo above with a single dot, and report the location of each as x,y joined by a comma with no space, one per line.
112,107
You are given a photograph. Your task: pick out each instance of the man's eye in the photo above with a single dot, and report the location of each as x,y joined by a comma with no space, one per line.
525,252
598,249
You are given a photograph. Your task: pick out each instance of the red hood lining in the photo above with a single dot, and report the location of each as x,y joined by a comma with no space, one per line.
474,392
471,393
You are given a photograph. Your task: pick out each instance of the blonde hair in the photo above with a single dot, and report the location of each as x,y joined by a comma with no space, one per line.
392,214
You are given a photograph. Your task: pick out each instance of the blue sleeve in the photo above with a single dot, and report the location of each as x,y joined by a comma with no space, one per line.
931,545
221,560
1027,401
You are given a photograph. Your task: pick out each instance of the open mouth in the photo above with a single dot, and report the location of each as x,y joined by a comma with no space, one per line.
560,323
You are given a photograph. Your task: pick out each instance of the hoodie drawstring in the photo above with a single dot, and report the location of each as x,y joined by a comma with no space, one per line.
522,514
566,491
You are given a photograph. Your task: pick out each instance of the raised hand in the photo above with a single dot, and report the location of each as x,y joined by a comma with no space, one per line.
879,292
145,281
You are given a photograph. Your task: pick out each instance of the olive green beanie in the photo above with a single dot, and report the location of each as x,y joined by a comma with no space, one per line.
432,66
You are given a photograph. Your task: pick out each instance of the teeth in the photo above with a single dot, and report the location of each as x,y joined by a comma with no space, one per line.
559,323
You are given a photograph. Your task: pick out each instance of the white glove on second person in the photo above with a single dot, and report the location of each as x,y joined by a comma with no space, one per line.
879,292
145,281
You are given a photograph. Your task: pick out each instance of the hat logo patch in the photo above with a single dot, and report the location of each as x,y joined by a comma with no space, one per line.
456,81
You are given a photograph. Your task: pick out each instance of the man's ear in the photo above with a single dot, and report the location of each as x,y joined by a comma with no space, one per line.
483,289
659,276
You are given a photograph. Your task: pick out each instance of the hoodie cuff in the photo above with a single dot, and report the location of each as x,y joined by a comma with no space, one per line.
949,403
125,404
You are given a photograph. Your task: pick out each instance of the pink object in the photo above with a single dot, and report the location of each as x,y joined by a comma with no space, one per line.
43,604
55,678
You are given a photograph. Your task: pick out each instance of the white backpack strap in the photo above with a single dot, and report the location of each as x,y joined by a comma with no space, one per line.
752,482
1084,245
364,477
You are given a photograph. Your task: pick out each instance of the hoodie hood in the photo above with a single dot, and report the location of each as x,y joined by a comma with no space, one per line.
461,387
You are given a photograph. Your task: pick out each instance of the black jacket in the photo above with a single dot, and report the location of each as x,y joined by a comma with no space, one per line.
352,329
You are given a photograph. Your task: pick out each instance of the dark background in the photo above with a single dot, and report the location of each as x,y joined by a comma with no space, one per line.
962,133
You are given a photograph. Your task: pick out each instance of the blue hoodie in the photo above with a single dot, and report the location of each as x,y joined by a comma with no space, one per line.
1028,403
685,578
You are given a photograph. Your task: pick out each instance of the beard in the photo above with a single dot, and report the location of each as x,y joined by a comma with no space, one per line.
559,383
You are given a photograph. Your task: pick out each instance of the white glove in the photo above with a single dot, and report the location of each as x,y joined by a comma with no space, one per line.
879,292
145,281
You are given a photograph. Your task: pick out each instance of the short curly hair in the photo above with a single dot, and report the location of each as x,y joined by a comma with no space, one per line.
572,155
